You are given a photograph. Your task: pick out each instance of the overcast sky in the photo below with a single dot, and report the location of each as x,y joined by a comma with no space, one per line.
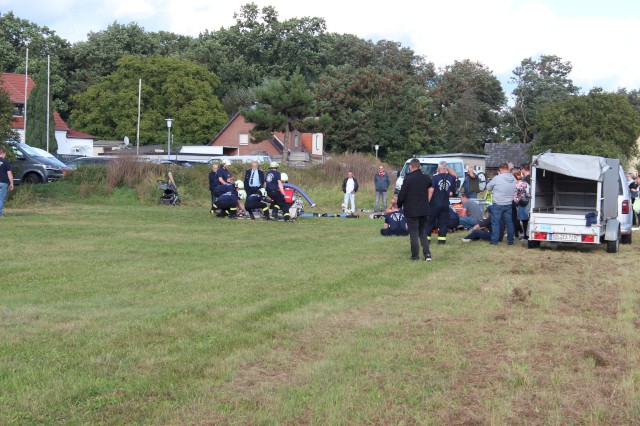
600,38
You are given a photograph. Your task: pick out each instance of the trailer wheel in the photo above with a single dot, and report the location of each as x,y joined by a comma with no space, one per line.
613,246
626,238
533,244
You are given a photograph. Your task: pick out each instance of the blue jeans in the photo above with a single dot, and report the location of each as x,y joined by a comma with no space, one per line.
468,222
4,187
498,213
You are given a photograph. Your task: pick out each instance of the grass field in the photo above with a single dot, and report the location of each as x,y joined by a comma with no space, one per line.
116,312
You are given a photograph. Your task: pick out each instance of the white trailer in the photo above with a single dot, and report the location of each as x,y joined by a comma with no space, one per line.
575,198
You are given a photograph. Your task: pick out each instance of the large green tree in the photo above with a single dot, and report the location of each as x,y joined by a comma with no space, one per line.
171,87
468,99
261,46
375,106
599,123
16,35
538,82
37,115
6,116
283,104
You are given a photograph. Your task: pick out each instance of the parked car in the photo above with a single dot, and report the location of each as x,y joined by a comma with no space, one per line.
32,167
429,165
51,158
89,161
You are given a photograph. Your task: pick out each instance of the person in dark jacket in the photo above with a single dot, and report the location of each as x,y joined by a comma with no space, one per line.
275,190
258,201
414,200
213,183
253,179
444,183
349,187
381,182
394,221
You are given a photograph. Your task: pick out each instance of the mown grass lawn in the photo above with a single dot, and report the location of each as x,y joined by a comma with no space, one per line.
120,313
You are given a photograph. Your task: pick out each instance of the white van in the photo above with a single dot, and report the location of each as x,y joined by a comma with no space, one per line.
429,165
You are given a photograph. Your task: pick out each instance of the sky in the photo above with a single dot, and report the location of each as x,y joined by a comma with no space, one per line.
600,38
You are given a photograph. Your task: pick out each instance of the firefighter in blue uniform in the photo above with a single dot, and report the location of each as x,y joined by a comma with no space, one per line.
223,176
444,184
227,202
258,201
275,190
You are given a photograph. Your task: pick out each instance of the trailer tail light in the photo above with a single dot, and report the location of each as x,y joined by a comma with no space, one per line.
539,235
625,206
588,239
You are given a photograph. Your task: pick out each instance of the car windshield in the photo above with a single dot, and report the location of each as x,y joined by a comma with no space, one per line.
29,150
429,169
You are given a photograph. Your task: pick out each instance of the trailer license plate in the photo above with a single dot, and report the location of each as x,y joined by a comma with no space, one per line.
565,237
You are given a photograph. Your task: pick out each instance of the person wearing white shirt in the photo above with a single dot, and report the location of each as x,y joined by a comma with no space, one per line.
350,187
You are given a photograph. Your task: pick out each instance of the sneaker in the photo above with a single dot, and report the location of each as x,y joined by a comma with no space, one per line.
441,243
465,240
427,257
414,258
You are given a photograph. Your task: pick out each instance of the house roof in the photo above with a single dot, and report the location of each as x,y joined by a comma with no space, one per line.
79,135
516,153
14,85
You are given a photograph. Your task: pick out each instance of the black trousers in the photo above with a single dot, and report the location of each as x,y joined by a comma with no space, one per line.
418,235
438,218
280,203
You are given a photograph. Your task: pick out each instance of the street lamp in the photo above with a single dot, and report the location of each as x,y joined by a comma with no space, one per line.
377,147
169,121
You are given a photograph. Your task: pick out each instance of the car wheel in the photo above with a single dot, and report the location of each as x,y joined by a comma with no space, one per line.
533,244
32,178
626,238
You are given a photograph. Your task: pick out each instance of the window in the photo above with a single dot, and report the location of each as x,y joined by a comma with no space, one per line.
244,139
296,140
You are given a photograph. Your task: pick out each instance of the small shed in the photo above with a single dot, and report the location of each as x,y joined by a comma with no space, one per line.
498,153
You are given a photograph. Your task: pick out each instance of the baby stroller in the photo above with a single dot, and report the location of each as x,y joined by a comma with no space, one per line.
170,196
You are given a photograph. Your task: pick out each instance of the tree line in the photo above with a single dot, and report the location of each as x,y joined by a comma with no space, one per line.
359,93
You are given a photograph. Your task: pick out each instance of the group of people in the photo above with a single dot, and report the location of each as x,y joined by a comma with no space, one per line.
260,191
381,181
511,192
423,204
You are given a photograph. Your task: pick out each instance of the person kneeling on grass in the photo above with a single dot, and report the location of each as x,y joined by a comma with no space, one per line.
394,221
480,231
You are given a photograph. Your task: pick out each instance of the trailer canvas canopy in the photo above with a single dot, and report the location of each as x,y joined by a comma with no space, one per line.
580,166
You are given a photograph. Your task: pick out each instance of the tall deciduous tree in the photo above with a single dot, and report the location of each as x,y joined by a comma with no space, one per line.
6,116
468,99
599,123
283,105
375,106
37,114
171,87
538,83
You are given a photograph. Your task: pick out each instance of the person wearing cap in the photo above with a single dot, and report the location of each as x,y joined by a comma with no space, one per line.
275,189
6,178
258,201
481,230
253,179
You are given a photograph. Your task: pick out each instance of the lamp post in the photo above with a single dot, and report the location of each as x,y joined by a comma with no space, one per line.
48,94
169,121
26,87
377,147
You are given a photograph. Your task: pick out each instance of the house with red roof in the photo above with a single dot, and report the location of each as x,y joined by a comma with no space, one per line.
234,139
70,142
